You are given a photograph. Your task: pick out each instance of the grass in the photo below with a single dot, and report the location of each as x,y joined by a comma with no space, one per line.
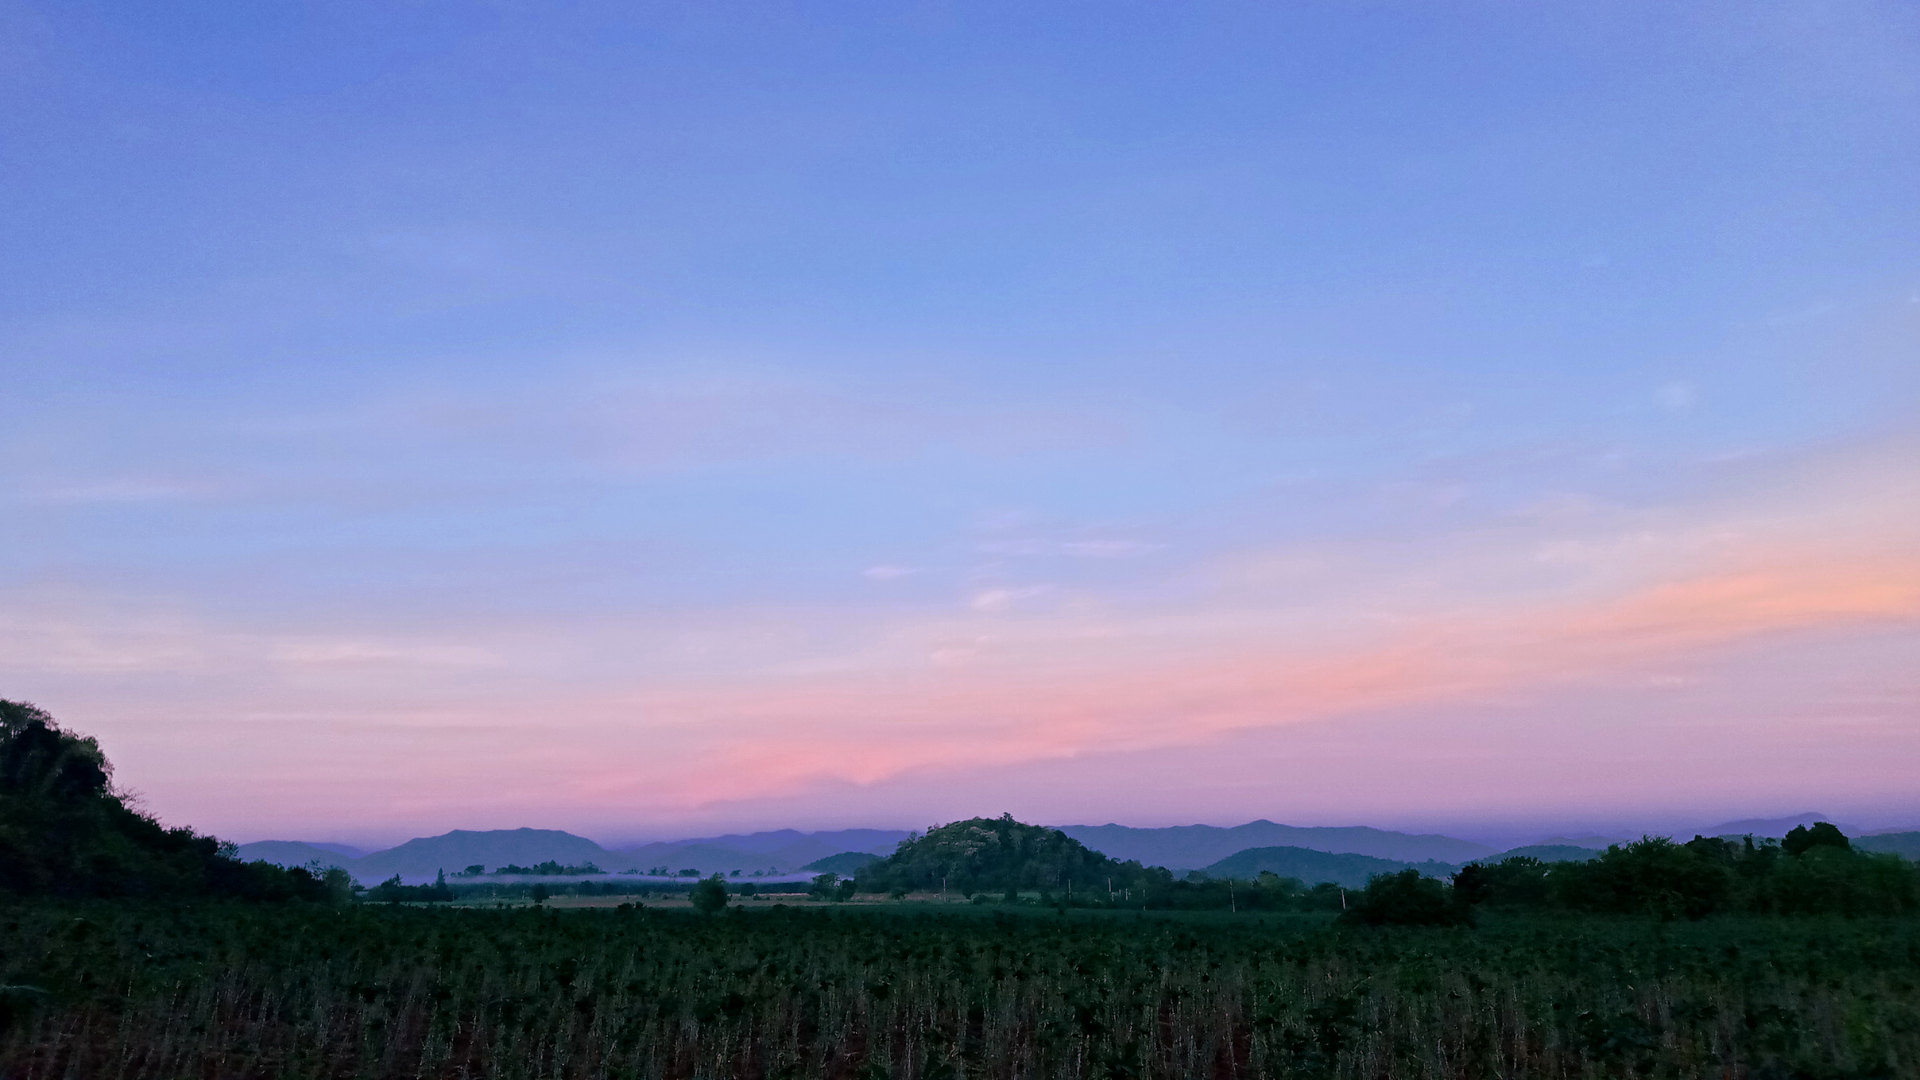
101,992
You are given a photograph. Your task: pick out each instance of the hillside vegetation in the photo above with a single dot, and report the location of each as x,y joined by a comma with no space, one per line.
65,831
997,854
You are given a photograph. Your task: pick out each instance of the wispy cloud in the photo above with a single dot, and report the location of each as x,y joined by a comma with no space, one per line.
1675,396
1004,598
777,703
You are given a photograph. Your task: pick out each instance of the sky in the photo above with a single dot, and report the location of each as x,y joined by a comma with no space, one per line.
649,420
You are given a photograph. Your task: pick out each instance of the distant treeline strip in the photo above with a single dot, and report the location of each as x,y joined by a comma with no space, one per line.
1813,871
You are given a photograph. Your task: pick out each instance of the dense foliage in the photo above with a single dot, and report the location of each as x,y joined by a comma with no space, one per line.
225,991
64,830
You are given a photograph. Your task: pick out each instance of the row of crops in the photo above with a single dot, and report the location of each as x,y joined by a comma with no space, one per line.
217,990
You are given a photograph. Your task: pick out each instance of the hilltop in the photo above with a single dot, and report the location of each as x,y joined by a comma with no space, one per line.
981,854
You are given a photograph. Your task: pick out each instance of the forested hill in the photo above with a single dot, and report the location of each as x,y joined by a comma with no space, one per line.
65,831
983,854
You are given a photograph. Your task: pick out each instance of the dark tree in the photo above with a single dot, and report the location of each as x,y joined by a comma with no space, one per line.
710,895
1407,899
1823,834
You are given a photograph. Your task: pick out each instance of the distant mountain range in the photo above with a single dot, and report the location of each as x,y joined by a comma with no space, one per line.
1312,854
779,852
462,848
1194,847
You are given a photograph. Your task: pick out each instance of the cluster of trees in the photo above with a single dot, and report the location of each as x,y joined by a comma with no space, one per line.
65,831
831,886
1812,871
550,868
391,891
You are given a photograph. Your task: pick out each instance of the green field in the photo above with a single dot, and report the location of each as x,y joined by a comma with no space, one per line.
215,989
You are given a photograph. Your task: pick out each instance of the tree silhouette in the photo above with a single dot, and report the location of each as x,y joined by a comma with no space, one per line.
710,895
1823,834
65,831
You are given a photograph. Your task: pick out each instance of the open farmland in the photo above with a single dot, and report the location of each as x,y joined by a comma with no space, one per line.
229,991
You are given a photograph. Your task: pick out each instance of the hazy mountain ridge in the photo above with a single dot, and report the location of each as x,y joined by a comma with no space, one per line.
1548,853
456,850
1179,848
779,851
1905,844
1192,847
292,853
1313,867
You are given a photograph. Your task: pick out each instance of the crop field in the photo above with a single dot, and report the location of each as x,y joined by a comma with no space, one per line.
100,991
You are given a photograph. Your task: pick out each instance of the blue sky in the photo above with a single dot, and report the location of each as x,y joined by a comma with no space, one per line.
382,375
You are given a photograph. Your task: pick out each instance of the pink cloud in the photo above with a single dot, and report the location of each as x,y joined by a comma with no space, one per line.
655,719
